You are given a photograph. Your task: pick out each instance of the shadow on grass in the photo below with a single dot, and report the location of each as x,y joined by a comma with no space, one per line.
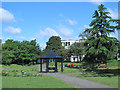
105,72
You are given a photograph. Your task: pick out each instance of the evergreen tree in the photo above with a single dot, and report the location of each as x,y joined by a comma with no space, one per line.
100,47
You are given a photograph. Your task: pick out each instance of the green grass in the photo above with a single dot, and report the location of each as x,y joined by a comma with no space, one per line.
111,81
45,81
113,62
10,66
0,82
32,70
68,70
74,63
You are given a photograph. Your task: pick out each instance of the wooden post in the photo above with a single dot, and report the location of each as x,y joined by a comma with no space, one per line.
47,63
56,65
62,65
40,65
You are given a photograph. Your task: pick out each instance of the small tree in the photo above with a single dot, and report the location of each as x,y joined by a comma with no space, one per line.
77,49
55,44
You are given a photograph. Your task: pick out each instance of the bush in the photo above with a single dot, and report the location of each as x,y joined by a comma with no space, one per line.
5,74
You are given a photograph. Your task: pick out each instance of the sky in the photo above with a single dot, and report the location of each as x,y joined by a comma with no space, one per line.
41,20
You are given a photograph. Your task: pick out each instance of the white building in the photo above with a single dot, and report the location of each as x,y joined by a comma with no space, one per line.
67,44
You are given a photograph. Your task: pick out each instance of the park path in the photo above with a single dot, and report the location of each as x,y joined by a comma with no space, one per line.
78,82
81,83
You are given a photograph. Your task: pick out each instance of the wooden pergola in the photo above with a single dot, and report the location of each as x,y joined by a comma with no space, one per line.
55,57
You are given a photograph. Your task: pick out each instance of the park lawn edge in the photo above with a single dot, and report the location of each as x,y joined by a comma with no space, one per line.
94,80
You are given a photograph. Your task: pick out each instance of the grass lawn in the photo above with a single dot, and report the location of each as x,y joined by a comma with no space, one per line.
45,81
113,62
111,81
74,63
10,66
68,70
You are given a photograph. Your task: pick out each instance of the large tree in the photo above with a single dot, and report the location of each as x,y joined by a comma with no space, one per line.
100,47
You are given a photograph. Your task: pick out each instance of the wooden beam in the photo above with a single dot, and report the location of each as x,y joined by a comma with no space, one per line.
62,65
47,63
40,65
56,65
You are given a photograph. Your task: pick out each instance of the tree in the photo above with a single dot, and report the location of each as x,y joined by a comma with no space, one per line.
100,47
7,57
55,44
76,49
25,52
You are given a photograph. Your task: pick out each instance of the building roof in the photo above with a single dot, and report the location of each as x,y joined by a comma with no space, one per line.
51,55
73,40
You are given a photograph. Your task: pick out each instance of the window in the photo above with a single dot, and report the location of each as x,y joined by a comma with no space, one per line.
69,43
66,43
73,58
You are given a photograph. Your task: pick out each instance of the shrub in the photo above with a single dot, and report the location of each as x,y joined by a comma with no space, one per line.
5,74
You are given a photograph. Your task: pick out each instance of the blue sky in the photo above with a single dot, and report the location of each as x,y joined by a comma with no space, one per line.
39,20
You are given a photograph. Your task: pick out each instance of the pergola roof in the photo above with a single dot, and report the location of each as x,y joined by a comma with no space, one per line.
51,55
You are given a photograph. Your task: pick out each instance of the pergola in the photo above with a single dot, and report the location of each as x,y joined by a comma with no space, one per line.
55,57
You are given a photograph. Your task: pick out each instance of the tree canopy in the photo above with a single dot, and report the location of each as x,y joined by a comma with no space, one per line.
76,49
100,47
24,52
55,44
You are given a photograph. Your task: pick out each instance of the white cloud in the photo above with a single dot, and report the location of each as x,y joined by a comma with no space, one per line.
46,33
42,46
6,16
65,31
71,22
114,13
13,30
61,15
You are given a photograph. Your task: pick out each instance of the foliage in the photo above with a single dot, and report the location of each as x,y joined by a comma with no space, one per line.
99,46
113,62
76,49
15,52
55,44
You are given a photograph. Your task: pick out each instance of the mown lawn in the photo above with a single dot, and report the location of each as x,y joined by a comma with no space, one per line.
68,70
15,79
45,81
113,62
111,81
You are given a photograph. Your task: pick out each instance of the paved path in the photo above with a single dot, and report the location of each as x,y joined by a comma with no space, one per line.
78,82
82,83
